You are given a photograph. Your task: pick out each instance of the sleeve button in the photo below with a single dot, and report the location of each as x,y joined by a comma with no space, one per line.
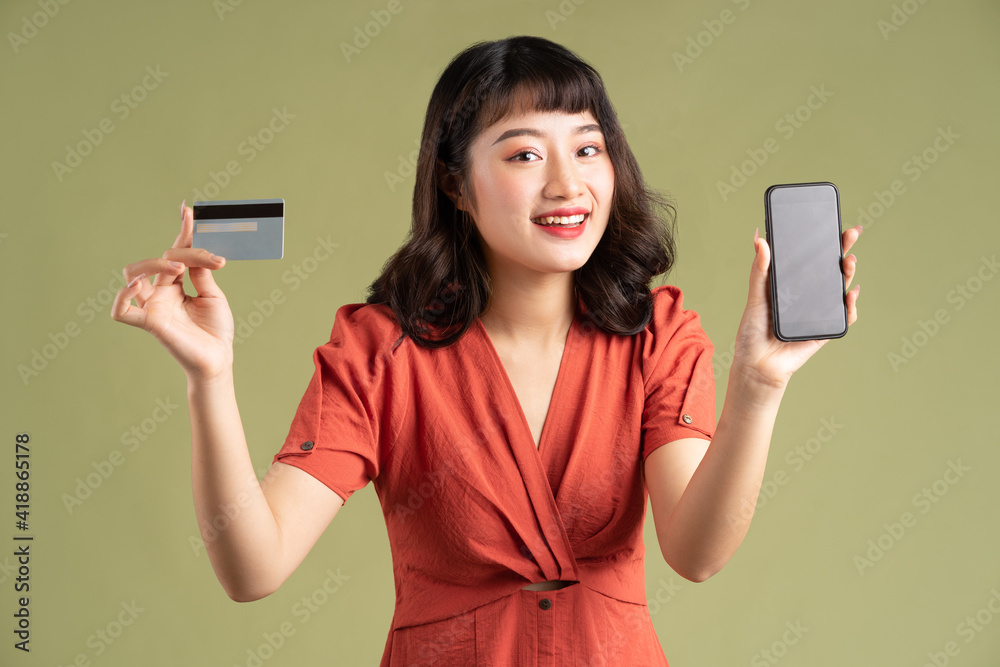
307,445
687,419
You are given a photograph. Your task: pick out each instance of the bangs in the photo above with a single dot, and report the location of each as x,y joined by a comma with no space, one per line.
574,96
526,84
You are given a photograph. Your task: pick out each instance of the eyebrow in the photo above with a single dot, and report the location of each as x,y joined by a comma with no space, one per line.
531,132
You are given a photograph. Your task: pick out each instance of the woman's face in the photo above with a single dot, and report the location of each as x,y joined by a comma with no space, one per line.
532,166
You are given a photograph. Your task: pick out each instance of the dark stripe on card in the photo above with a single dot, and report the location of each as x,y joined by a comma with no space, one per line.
224,211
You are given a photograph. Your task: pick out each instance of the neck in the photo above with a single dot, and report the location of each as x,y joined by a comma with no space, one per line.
536,309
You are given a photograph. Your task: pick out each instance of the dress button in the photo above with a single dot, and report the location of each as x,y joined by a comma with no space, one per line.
307,445
687,419
545,603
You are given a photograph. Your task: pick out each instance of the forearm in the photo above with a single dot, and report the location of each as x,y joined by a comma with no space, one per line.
714,512
241,536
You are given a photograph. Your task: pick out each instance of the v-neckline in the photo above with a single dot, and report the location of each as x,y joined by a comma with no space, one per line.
554,403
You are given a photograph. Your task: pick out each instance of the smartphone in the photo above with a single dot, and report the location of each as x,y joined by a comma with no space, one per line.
808,299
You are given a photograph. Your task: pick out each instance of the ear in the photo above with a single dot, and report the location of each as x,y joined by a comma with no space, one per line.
449,183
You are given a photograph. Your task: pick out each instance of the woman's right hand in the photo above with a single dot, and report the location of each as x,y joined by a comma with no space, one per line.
197,331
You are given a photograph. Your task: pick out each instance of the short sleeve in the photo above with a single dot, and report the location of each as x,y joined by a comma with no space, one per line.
677,374
342,428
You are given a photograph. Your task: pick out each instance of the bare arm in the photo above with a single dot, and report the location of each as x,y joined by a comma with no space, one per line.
256,533
704,494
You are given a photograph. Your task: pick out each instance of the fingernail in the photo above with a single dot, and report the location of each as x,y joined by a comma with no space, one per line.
135,280
182,208
756,236
177,265
860,229
215,258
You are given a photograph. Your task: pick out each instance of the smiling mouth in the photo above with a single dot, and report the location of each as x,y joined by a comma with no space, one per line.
557,221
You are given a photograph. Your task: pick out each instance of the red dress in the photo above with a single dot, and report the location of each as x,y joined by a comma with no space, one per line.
474,511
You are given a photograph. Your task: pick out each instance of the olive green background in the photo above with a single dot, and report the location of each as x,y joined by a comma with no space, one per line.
225,68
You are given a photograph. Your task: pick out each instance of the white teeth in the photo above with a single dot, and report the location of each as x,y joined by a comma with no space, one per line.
556,220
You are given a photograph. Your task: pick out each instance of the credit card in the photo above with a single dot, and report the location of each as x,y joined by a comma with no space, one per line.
241,228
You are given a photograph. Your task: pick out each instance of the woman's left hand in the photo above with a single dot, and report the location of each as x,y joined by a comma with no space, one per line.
758,353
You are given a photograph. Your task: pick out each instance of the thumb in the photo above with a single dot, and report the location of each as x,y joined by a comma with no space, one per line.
759,286
204,282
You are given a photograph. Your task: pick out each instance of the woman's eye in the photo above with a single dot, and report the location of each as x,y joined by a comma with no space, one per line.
523,156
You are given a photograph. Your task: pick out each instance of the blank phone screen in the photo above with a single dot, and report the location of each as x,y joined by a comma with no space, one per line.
806,261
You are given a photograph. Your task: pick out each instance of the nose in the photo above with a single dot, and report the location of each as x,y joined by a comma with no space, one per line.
564,179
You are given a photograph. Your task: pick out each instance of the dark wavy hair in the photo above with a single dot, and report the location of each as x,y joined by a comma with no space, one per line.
438,283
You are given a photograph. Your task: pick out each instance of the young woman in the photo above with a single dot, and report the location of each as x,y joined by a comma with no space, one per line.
512,388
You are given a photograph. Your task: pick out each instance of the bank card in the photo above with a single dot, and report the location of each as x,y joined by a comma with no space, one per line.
240,228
